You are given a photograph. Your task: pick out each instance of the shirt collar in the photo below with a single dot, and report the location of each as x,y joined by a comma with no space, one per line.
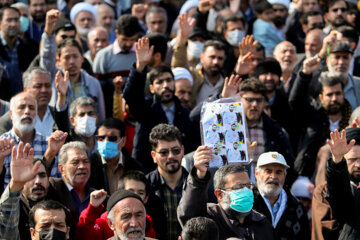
117,49
171,108
69,187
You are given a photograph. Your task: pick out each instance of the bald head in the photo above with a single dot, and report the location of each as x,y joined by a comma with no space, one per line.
313,42
98,38
285,54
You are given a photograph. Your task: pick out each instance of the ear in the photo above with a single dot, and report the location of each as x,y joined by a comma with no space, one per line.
111,225
72,120
122,144
116,32
353,45
219,194
151,88
146,199
153,155
256,173
10,113
32,234
201,57
68,233
61,169
320,97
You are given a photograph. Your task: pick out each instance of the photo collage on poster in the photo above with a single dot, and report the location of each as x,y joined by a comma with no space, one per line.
223,128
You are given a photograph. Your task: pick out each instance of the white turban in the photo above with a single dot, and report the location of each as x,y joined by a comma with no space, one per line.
79,7
180,72
286,3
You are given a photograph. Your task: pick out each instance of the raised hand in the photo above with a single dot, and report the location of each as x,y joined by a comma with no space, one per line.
328,43
62,83
231,86
247,44
139,10
234,6
52,16
97,197
143,53
21,166
311,64
185,26
339,146
244,64
118,84
250,145
202,156
6,145
55,142
205,5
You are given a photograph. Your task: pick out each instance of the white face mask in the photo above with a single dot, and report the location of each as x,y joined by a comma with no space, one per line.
85,126
235,36
195,48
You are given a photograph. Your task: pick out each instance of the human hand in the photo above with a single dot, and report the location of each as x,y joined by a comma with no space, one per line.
205,5
185,26
97,197
55,142
139,10
231,86
202,156
62,83
118,84
310,65
234,6
250,145
143,53
327,44
354,123
338,145
244,64
6,145
247,44
52,16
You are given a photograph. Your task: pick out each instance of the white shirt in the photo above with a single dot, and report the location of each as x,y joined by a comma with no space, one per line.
45,127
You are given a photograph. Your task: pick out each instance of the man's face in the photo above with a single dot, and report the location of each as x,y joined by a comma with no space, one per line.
71,60
183,90
253,106
270,80
156,23
98,40
168,156
10,24
270,179
280,14
163,87
310,5
219,4
105,17
212,61
107,133
82,111
23,113
336,15
37,188
339,62
232,180
231,108
137,187
62,35
231,26
353,163
40,88
126,43
332,98
313,45
49,219
286,56
38,10
76,170
85,19
129,219
233,127
315,21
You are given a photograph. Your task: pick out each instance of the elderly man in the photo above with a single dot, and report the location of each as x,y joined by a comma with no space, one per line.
183,86
106,18
97,39
83,16
233,214
287,214
156,20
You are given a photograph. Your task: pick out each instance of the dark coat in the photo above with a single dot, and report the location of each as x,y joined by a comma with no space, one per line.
194,204
148,113
293,224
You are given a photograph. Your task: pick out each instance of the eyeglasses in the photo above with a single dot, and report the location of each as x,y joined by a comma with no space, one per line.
337,9
166,152
110,138
251,99
249,185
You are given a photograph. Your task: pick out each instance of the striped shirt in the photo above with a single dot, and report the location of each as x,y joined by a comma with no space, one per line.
12,53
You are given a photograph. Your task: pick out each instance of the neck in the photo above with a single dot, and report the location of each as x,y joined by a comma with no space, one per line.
92,55
252,122
270,94
286,77
89,141
25,137
41,112
335,117
172,179
213,79
273,199
81,191
75,78
112,163
169,104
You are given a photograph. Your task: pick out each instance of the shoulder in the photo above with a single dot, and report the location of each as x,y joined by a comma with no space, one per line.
105,51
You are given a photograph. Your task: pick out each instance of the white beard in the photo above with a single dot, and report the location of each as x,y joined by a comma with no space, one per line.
24,128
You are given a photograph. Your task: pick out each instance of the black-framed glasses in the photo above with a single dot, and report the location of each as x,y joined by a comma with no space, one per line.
249,185
252,99
111,138
166,152
337,9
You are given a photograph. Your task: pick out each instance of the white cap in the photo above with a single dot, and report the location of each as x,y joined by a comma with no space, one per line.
180,72
271,157
79,7
302,187
286,3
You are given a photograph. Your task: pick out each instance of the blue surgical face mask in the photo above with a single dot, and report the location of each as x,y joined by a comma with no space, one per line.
24,24
107,149
242,200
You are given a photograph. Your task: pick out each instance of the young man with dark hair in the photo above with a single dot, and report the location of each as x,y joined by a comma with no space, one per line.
335,14
200,228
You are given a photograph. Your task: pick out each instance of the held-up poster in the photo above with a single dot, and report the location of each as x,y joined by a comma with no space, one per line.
223,129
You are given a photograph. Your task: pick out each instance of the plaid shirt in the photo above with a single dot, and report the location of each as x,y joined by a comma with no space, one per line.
12,53
39,144
256,133
9,215
78,90
172,199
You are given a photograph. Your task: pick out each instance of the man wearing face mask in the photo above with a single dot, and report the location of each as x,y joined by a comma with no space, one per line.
110,161
233,214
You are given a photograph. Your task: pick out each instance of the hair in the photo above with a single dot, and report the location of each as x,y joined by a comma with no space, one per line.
355,114
81,101
261,6
200,228
221,174
47,170
12,100
128,25
332,3
216,44
20,4
164,132
330,79
232,18
75,144
2,11
29,74
158,71
349,33
159,42
47,205
304,19
136,176
156,10
253,85
69,42
97,28
114,123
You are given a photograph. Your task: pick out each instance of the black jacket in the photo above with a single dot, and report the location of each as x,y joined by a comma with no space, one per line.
293,223
148,113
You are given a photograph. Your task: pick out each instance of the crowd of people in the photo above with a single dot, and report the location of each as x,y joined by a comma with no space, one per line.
100,112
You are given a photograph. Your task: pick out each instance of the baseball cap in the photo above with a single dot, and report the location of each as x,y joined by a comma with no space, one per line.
341,46
271,157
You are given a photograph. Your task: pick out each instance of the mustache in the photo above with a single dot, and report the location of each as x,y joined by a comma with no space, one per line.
38,187
272,181
135,229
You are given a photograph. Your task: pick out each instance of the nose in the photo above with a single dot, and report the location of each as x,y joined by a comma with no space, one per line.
37,180
187,96
134,222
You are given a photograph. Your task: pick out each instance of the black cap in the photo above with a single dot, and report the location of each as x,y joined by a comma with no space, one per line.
353,133
267,65
198,32
120,195
63,23
341,46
